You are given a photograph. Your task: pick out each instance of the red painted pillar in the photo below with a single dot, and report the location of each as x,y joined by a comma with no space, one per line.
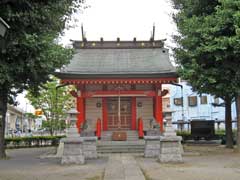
104,113
81,110
158,107
134,113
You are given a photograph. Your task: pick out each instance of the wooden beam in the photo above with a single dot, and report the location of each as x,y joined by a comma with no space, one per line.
121,81
133,93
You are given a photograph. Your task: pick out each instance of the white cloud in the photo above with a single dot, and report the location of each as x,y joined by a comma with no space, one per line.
125,19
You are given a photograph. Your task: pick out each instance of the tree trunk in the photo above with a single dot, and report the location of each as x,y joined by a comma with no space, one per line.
3,111
238,122
228,123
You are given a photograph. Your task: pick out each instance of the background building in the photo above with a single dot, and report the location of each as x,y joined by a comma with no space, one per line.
18,123
188,105
14,120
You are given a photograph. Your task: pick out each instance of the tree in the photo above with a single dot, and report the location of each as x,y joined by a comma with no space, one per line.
31,52
238,121
54,103
208,51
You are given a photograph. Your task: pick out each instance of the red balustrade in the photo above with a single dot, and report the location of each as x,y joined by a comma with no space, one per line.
98,128
140,128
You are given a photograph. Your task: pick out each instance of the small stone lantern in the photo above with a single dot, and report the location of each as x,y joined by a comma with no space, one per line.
72,130
73,144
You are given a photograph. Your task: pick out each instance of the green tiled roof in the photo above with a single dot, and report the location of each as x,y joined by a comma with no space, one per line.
122,62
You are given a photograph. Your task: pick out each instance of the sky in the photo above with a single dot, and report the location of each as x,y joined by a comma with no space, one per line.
125,19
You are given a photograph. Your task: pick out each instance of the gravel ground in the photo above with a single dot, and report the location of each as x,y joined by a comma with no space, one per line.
204,162
200,163
26,164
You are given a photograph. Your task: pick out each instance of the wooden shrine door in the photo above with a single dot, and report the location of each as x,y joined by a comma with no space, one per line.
119,118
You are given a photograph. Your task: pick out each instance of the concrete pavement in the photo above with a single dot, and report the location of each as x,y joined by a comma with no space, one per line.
122,167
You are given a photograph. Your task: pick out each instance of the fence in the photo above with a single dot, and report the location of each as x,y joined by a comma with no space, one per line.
181,125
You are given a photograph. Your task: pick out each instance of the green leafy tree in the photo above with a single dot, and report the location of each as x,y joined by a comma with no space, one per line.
238,120
31,53
54,103
208,51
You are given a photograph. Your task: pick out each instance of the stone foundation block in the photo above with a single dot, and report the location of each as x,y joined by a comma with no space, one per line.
170,158
170,149
68,159
90,147
152,146
73,151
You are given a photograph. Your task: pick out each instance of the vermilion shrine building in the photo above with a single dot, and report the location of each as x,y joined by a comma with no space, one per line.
119,82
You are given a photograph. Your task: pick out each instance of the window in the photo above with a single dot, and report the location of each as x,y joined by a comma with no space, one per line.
192,100
178,101
204,100
216,100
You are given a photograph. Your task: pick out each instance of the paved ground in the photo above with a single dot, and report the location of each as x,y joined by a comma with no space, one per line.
200,163
25,164
122,167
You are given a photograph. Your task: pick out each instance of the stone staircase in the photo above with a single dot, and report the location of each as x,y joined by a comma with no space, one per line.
131,135
132,145
120,146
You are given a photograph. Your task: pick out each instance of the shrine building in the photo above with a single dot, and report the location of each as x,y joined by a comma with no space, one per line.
119,83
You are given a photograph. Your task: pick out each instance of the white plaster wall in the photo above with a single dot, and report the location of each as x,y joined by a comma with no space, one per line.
93,112
146,111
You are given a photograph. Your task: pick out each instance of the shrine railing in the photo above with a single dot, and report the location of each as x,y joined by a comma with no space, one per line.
140,128
98,128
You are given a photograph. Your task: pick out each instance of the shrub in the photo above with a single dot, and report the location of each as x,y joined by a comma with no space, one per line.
34,141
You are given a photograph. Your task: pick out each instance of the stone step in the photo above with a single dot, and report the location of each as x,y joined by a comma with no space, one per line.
128,139
121,150
121,146
103,151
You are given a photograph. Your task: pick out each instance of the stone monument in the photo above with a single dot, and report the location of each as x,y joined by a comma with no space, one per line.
73,144
170,146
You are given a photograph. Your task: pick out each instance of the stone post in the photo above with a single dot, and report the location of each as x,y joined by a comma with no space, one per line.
170,146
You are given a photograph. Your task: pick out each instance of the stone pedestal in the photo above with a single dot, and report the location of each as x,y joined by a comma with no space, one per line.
170,149
73,151
90,147
170,146
152,146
